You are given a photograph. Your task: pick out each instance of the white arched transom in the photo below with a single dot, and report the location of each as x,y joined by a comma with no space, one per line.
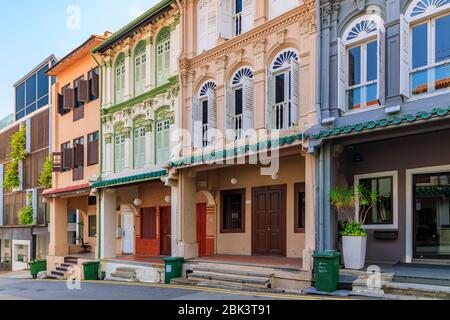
284,59
240,74
207,87
363,27
426,7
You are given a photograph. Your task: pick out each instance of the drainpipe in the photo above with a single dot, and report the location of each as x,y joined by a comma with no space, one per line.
320,201
318,64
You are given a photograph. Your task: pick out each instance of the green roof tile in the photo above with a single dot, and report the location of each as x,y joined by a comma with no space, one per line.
130,179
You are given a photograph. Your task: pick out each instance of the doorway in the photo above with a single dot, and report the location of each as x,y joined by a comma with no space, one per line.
127,231
431,219
166,231
201,229
269,221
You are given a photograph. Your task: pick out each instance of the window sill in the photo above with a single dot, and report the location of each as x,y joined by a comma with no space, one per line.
234,231
380,227
353,112
428,95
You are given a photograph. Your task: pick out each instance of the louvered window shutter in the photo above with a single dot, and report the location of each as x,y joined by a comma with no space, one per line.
202,29
56,160
295,92
83,91
381,59
229,126
196,124
248,103
342,73
61,104
212,115
69,99
212,25
248,15
404,57
226,19
68,158
270,100
79,155
95,85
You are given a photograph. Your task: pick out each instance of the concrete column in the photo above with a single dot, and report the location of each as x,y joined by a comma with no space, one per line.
109,84
149,83
58,228
260,100
128,161
108,224
107,155
187,244
261,12
310,218
128,76
175,217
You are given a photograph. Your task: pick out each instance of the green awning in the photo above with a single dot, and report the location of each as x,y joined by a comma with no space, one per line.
130,179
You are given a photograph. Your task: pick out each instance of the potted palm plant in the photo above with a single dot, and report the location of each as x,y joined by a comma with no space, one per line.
354,236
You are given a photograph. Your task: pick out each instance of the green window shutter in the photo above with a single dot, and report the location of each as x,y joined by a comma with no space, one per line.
139,148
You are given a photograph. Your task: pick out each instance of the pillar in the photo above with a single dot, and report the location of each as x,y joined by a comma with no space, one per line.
58,228
149,79
107,224
310,217
108,84
128,75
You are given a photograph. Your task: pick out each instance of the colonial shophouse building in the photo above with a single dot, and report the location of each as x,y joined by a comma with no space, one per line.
385,123
139,76
248,86
23,239
75,144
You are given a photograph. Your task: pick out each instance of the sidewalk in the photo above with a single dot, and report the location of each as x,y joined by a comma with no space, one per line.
18,275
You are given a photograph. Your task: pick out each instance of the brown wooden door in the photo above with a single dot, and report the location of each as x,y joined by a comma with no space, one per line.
166,231
201,229
269,221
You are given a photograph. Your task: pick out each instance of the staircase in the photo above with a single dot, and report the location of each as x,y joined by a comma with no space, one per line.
124,274
63,271
401,287
226,276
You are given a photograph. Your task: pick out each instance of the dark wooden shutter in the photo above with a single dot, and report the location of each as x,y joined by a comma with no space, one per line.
68,161
69,99
78,113
148,223
79,155
83,91
95,84
61,104
57,165
92,152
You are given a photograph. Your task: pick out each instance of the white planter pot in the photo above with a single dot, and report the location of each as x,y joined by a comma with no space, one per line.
354,252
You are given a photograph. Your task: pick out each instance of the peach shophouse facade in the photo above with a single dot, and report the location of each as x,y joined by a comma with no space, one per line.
75,143
248,77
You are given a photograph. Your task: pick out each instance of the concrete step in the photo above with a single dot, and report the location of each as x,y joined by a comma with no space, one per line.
238,272
222,278
423,280
221,285
123,276
71,260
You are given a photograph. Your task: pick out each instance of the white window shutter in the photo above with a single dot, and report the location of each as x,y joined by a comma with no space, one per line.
404,57
381,60
165,144
342,72
196,125
202,28
212,115
270,100
248,103
295,90
212,25
229,112
226,29
167,55
248,15
160,68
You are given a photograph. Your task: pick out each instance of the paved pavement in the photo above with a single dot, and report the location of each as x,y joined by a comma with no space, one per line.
25,289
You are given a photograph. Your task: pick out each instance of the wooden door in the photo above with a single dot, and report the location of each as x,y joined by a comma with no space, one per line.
166,231
201,229
269,221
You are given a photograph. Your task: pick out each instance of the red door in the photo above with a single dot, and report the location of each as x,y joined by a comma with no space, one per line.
201,229
166,231
269,221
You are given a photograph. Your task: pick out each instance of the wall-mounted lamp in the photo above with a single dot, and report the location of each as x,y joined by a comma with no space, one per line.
234,181
137,202
168,199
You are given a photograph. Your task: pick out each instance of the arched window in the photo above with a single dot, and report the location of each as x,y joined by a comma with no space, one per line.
283,91
163,56
425,51
239,103
119,151
139,145
204,115
120,78
162,136
361,55
140,61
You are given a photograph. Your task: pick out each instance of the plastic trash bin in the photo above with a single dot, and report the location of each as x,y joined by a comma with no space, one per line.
90,270
37,266
172,269
326,270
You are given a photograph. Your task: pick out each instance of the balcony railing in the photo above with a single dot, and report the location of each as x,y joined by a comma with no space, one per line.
205,140
238,131
237,23
282,116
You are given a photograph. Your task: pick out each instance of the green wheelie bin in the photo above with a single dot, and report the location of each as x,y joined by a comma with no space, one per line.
173,268
326,271
90,270
37,266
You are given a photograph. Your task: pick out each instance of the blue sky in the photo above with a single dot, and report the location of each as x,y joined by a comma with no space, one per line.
31,30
